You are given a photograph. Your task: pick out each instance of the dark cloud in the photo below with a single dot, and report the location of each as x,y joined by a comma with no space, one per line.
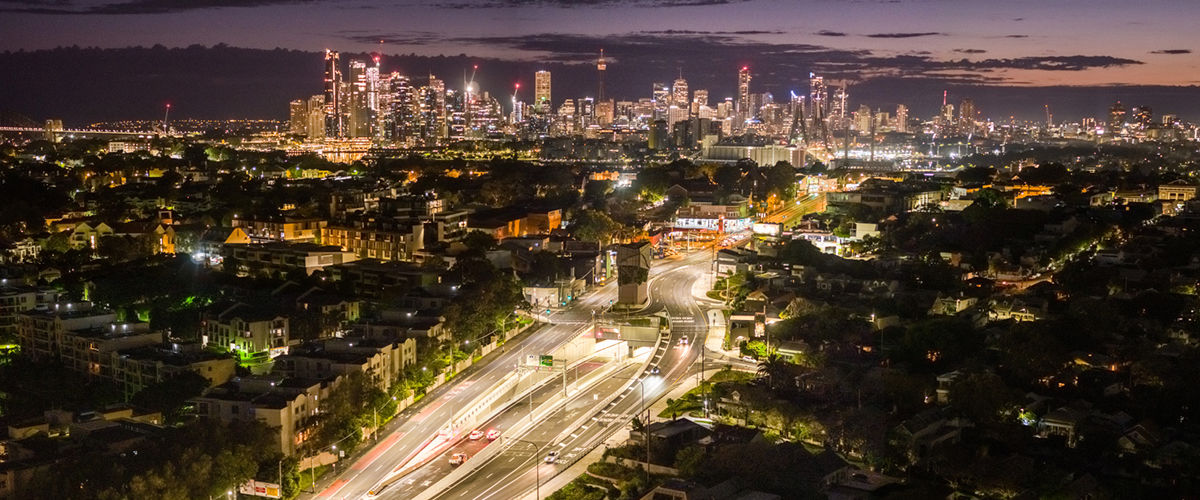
651,52
142,6
1172,51
499,4
1017,36
904,35
692,32
830,33
970,51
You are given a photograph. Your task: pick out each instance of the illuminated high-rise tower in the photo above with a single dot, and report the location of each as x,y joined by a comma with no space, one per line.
818,96
541,91
662,101
600,66
679,94
837,113
333,80
966,116
1116,118
743,102
901,119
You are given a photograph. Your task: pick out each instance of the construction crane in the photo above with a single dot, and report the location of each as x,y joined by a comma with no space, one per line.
1049,117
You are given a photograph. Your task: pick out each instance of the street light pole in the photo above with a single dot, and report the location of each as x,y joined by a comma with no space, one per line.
537,470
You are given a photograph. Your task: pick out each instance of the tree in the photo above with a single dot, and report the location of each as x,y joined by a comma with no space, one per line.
983,397
690,461
170,396
479,240
773,368
976,175
781,180
594,225
727,176
1030,350
653,182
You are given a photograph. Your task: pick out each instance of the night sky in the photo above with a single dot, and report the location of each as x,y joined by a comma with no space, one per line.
1030,44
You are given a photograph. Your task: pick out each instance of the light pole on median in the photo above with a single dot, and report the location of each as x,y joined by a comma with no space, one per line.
537,470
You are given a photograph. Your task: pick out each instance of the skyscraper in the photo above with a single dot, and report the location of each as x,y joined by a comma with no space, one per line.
359,119
901,119
743,102
333,98
966,116
837,113
298,117
600,67
316,118
863,119
1116,118
1143,116
403,109
679,94
662,101
541,91
818,97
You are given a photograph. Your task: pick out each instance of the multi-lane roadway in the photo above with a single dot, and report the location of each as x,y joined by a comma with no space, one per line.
512,473
415,426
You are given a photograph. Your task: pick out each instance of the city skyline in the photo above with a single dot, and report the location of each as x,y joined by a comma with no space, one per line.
1011,43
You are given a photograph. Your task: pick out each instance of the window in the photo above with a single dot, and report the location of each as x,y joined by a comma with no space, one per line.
233,409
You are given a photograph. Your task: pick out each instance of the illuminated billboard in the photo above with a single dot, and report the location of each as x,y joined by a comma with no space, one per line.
768,228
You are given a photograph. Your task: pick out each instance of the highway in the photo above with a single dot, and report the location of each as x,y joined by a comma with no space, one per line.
511,473
412,428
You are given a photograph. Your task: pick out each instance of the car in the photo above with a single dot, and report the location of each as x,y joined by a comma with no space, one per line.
458,458
683,340
552,457
475,435
654,370
493,435
749,359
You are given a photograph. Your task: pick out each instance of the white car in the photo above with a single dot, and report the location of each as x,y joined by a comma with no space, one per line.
683,340
552,457
475,435
458,458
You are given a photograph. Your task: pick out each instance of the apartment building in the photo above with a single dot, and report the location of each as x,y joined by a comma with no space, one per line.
17,299
249,330
381,359
41,332
292,229
375,237
287,257
288,405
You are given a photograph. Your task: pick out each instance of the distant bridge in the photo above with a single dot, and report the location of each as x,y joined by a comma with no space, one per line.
83,132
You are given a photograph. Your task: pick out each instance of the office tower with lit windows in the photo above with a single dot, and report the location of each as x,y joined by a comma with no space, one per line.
662,101
901,119
818,97
541,91
743,99
966,116
298,117
679,94
1116,118
432,118
862,119
316,118
837,108
403,109
333,97
1143,116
